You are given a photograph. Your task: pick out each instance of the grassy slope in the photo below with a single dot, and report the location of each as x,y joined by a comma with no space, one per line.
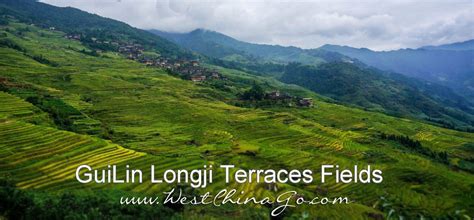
153,116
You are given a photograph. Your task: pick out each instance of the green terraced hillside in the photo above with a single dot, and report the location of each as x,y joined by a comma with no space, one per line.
142,115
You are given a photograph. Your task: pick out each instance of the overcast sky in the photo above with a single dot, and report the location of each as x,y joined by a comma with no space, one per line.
375,24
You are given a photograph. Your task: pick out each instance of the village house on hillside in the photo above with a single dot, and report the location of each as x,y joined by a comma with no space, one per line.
148,62
189,69
198,78
274,95
73,36
277,95
306,102
134,51
215,75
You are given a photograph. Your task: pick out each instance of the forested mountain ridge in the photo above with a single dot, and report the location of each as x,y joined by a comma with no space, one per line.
90,28
387,92
217,45
449,65
459,46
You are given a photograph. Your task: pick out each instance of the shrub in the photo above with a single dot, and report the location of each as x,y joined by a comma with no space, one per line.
416,146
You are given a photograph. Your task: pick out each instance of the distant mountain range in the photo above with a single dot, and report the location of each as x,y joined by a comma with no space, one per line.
217,45
461,46
451,65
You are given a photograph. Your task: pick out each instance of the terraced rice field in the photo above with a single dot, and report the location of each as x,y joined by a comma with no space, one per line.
14,107
140,116
37,156
50,161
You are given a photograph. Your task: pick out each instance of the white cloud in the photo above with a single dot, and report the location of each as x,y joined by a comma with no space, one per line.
374,24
